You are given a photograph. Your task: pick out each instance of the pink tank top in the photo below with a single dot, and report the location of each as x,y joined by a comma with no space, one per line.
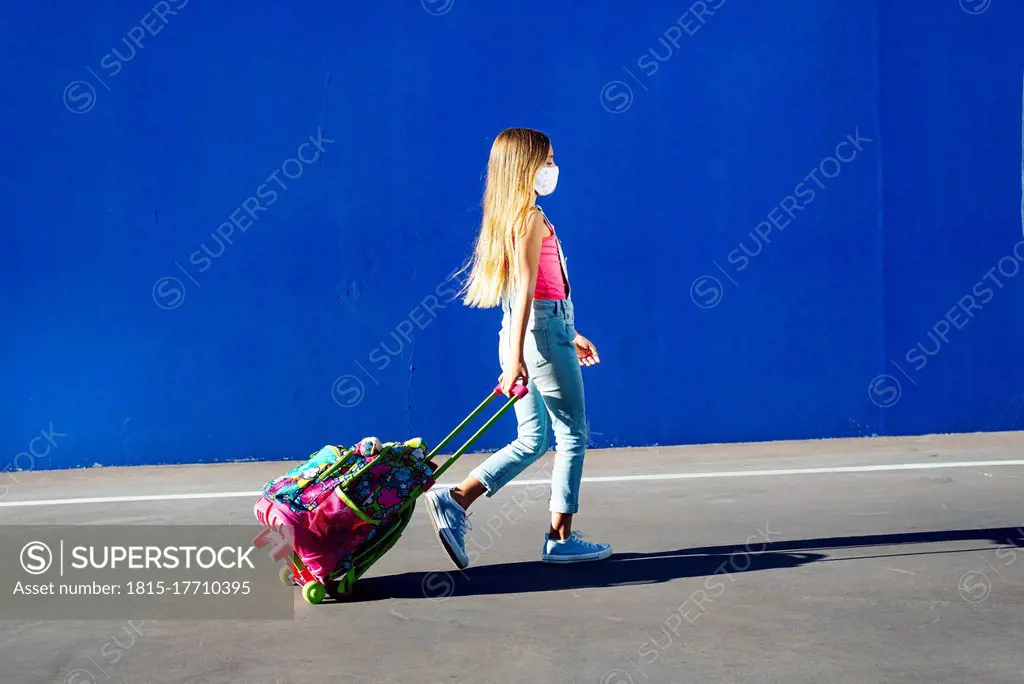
551,280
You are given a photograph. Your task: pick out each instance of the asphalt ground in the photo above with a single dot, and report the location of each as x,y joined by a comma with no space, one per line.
868,560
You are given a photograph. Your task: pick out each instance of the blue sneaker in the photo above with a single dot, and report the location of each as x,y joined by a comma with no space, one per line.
573,550
451,523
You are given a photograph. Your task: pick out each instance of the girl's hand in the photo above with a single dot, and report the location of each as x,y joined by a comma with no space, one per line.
515,372
586,352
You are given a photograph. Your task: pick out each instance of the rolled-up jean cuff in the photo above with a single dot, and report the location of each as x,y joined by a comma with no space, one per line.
564,509
486,480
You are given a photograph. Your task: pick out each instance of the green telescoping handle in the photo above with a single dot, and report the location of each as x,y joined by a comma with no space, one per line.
391,533
518,392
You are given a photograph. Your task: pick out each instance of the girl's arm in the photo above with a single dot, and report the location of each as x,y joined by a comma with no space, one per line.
525,273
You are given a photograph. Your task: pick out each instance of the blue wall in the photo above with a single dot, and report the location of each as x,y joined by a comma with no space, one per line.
135,334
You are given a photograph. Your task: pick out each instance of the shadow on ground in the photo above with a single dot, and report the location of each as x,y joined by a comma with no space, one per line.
648,568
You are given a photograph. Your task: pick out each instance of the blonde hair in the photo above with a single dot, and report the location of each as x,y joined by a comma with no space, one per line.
516,156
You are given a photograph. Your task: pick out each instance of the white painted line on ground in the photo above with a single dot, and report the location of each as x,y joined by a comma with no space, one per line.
790,471
525,483
128,499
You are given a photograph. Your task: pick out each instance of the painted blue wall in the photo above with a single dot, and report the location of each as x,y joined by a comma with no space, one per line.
951,94
135,334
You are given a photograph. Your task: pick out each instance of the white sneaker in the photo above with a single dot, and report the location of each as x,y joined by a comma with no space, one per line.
451,523
573,550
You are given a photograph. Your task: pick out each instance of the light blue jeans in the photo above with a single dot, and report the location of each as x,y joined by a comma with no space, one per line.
555,399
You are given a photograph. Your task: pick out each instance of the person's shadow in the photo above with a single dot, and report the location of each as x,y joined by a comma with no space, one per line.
651,568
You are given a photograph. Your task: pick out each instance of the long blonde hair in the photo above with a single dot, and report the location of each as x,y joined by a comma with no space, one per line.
516,156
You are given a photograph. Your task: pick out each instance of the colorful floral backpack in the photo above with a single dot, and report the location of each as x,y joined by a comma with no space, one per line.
371,478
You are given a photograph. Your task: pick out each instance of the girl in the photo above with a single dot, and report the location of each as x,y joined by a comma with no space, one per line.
518,263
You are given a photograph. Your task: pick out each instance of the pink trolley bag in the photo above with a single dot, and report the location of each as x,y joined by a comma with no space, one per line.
331,518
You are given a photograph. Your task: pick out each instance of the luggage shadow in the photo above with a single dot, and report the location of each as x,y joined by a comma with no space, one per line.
623,569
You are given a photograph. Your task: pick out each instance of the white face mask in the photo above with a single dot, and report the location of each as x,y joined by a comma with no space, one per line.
547,179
